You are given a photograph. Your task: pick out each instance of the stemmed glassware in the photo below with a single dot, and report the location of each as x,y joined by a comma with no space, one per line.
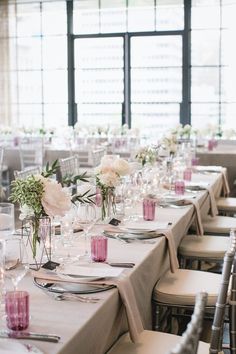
16,263
86,217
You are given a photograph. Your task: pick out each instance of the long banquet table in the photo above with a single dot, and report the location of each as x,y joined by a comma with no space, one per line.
223,155
93,328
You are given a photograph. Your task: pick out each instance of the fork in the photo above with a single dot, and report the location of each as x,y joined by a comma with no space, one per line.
73,297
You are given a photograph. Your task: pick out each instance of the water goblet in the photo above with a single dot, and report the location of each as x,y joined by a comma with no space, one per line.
16,263
86,217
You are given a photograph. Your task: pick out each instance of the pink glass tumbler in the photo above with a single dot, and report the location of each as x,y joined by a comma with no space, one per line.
98,197
179,187
187,174
98,248
17,310
195,161
211,145
149,207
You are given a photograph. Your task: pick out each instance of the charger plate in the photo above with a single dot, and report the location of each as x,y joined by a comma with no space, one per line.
70,287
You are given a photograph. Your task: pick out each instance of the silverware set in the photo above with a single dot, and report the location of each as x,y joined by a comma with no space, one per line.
72,297
29,335
132,239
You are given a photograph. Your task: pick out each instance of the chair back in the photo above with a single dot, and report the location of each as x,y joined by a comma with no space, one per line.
232,311
222,299
27,172
1,158
69,166
1,164
190,338
31,153
97,155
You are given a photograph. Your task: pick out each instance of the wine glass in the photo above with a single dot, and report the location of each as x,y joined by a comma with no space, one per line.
86,217
16,261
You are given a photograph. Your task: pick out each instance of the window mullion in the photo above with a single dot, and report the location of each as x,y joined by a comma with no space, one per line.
126,117
185,108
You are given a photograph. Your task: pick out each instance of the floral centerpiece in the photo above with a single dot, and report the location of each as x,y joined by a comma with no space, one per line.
182,131
41,196
108,176
146,155
170,143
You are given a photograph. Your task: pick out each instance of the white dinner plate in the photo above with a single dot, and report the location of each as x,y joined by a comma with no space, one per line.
12,346
173,198
71,287
143,226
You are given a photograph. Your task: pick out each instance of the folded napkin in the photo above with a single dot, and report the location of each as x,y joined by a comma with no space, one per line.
125,290
213,206
174,263
209,168
225,183
197,215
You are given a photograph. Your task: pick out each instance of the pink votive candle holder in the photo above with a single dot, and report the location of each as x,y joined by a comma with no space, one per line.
195,161
98,197
149,207
211,145
98,248
17,310
187,174
179,187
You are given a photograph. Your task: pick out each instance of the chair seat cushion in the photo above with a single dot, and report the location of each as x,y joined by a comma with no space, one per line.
227,204
204,246
181,287
219,224
151,343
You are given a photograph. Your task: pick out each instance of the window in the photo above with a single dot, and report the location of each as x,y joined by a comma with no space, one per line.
152,63
213,63
131,60
99,80
38,63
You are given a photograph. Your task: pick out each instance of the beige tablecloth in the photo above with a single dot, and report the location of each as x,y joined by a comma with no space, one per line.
93,328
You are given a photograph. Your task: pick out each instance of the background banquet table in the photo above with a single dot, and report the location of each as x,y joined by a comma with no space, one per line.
223,155
93,328
50,154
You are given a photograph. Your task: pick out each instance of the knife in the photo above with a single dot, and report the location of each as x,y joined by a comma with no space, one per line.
29,335
122,265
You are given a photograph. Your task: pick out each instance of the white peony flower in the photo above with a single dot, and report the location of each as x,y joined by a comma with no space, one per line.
55,200
121,167
109,179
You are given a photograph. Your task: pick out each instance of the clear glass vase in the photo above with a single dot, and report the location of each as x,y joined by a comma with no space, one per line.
38,242
108,205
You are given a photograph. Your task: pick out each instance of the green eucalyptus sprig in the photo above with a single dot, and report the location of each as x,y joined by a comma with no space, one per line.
28,192
50,170
84,198
69,179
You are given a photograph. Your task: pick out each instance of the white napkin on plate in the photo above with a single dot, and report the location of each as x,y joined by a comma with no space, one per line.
90,272
145,225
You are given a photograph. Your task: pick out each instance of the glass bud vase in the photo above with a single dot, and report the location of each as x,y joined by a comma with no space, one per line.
38,242
108,206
